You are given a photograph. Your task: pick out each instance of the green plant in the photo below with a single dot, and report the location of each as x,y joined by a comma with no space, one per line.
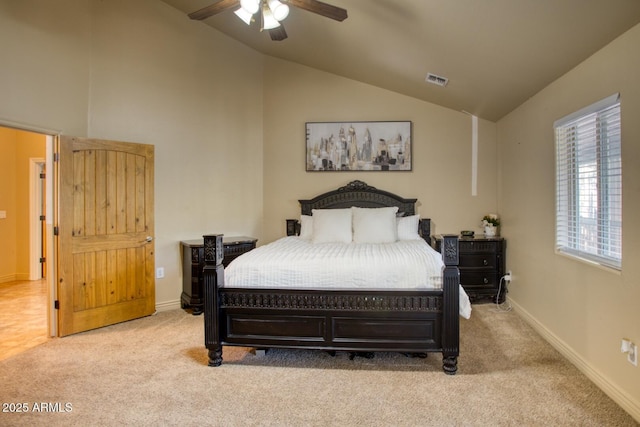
491,219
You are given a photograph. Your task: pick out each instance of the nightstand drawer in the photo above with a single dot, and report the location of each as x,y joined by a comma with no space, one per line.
469,247
481,279
489,261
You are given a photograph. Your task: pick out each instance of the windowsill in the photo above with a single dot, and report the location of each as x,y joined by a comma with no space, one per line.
589,262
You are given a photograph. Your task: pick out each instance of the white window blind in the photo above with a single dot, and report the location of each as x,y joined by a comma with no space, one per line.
589,183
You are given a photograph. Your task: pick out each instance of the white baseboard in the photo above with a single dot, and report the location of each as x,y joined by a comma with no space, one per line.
628,403
168,305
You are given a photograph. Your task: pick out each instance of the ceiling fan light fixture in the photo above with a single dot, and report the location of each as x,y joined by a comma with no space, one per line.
269,22
244,15
269,12
280,10
251,6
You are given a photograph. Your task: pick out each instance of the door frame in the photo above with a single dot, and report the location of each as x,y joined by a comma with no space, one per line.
51,219
35,210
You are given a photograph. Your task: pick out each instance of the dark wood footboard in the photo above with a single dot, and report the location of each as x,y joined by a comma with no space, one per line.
332,320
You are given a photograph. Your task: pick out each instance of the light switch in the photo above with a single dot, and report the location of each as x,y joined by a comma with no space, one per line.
3,214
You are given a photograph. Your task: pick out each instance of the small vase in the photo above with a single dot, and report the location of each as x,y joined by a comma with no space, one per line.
490,230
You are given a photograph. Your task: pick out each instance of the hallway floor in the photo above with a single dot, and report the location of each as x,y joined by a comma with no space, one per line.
23,316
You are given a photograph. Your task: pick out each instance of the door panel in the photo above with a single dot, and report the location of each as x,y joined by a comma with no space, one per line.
106,259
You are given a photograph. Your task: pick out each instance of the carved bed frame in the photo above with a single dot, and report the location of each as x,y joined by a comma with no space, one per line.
409,321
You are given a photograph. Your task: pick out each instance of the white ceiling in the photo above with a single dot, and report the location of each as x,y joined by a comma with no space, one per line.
495,53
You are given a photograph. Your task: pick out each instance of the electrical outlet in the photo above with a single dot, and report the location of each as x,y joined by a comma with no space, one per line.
159,272
507,277
632,351
632,355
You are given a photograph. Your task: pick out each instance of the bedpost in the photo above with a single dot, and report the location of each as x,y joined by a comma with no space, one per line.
293,227
213,278
424,229
450,309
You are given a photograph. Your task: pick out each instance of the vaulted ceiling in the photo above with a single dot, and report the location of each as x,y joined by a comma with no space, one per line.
495,53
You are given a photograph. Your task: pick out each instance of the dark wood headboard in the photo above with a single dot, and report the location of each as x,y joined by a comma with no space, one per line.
359,194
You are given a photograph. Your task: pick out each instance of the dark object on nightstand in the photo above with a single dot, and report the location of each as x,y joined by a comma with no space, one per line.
467,233
482,265
193,263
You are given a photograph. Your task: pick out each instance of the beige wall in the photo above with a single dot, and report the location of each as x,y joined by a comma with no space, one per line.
441,176
584,310
141,71
44,78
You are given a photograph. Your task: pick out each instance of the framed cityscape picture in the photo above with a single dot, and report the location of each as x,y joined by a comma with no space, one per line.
358,146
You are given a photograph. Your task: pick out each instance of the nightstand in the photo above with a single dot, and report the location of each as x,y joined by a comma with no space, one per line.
193,264
482,265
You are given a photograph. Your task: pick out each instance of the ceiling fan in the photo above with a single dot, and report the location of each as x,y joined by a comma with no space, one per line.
269,12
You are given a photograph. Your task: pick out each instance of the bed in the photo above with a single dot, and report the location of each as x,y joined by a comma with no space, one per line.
338,317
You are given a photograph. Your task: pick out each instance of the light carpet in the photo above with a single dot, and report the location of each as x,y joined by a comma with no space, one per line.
153,371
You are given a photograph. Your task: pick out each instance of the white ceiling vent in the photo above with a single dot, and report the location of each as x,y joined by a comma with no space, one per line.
437,80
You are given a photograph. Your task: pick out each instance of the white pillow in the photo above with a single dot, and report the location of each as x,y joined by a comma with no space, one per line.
408,227
375,225
306,227
331,225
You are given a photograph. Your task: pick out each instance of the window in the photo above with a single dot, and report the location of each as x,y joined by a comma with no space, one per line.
589,183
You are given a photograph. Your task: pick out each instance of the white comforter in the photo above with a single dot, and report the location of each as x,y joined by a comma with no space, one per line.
293,262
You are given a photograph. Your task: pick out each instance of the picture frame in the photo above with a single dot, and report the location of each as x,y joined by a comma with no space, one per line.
358,146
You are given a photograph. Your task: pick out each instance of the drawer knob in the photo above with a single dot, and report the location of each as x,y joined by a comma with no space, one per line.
485,262
485,280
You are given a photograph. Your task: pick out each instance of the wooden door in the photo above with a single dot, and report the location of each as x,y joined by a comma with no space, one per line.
105,238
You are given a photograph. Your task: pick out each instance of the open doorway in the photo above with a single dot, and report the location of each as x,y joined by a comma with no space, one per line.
25,204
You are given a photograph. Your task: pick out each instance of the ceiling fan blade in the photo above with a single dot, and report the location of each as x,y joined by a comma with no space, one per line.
324,9
278,34
214,9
